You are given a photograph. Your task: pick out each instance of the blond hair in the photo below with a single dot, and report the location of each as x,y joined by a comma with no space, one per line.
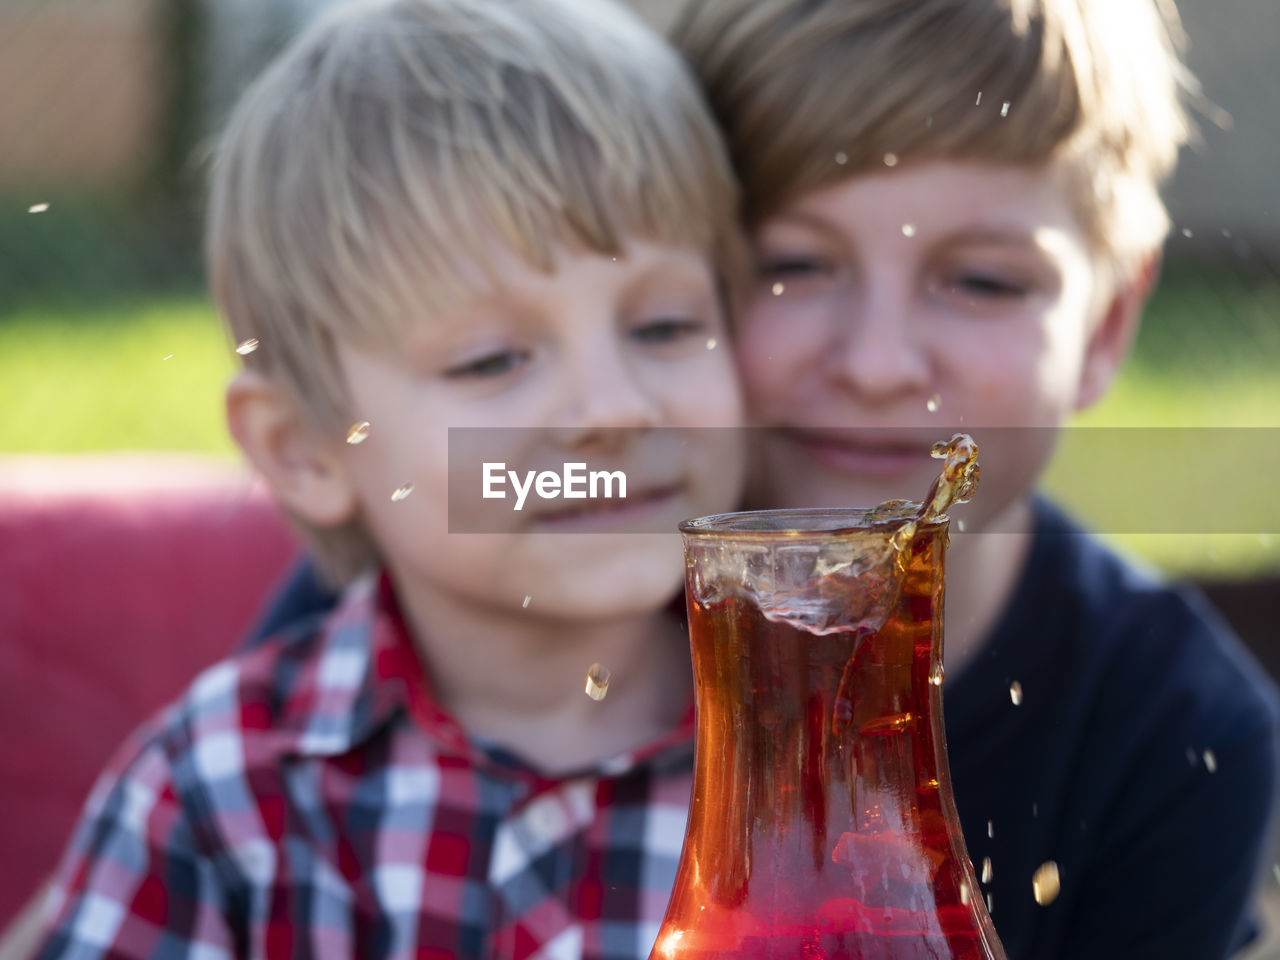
812,91
396,140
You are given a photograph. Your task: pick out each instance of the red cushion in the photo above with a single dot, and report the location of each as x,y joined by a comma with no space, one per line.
120,578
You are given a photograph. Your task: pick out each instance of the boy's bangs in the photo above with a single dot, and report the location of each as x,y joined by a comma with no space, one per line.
992,88
534,192
407,181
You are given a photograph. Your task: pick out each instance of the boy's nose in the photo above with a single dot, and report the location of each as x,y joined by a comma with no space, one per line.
604,391
875,353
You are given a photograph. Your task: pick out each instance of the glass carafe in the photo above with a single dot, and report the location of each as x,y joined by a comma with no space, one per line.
822,823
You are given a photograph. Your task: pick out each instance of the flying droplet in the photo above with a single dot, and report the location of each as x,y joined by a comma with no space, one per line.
1004,109
37,208
908,229
1186,232
960,524
1225,232
246,347
711,343
986,870
934,403
842,158
1046,884
402,492
991,906
597,681
1275,869
527,600
991,829
978,102
890,159
778,288
1210,761
937,675
1015,693
169,356
358,433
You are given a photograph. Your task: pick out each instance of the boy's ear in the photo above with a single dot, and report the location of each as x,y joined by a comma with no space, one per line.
1113,334
303,470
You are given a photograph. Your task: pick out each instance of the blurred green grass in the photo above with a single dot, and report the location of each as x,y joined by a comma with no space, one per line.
149,375
140,375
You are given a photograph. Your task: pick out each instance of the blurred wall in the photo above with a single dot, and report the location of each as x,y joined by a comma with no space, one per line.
80,91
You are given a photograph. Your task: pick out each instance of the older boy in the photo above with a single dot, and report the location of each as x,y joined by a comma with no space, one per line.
432,214
955,213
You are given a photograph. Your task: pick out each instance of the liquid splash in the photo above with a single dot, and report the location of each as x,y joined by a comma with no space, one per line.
247,346
358,433
598,677
1046,883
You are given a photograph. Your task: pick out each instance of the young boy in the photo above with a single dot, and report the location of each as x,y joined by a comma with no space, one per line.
436,214
956,220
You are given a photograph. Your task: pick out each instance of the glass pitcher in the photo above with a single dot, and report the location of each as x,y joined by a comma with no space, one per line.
822,823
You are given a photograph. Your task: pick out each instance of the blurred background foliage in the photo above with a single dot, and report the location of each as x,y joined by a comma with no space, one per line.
108,341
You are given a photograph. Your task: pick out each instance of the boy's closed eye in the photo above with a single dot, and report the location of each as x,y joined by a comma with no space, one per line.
490,364
984,285
795,274
783,267
661,331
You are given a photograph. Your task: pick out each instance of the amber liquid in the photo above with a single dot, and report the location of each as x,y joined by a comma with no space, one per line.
822,823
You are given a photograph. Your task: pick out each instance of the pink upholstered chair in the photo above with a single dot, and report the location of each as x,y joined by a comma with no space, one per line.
120,578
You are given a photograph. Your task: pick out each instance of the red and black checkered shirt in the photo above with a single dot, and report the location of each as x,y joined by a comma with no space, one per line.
310,798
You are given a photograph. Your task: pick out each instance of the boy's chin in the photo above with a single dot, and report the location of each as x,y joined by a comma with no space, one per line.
609,576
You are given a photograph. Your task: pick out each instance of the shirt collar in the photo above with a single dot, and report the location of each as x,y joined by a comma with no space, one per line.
365,671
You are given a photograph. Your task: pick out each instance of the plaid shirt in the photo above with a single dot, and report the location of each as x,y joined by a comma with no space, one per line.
310,798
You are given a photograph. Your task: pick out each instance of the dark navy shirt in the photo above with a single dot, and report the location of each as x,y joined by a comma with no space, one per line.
1140,763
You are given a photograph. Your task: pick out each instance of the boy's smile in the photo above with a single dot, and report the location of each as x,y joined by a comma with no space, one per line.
892,308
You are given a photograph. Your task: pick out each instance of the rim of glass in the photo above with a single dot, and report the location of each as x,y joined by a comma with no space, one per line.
816,522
